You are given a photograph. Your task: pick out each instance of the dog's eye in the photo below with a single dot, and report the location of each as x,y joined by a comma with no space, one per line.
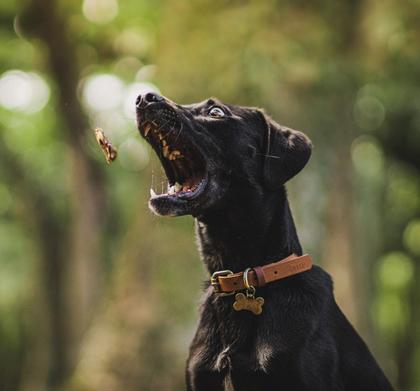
216,112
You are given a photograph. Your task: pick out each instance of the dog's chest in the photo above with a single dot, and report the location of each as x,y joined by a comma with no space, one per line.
248,356
237,343
238,365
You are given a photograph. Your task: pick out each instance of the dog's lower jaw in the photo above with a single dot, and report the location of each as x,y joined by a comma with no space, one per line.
208,195
161,208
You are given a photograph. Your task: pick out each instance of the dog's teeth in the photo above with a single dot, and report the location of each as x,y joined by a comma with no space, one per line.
174,155
147,128
171,190
178,187
165,151
152,193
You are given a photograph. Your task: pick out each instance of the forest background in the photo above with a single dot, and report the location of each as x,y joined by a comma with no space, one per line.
93,293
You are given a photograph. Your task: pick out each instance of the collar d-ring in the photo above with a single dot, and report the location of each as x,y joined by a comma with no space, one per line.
245,277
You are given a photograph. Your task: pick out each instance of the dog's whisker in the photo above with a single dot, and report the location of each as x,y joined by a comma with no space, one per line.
179,133
171,130
271,156
162,126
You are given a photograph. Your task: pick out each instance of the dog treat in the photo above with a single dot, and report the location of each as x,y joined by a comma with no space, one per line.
109,151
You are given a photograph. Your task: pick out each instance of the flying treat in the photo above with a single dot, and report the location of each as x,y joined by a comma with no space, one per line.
109,151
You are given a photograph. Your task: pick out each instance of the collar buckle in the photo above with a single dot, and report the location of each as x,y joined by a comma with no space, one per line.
214,281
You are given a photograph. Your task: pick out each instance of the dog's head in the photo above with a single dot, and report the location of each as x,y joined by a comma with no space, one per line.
213,152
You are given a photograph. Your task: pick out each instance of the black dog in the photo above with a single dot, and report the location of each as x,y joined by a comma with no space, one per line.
226,166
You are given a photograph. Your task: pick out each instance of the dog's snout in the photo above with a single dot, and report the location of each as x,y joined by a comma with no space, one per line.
145,99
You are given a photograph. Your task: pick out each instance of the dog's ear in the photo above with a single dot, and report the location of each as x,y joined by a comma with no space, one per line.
286,152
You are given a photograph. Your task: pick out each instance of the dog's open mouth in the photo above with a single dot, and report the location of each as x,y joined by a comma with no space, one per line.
181,160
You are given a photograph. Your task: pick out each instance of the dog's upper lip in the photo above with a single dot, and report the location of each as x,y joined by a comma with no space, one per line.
182,161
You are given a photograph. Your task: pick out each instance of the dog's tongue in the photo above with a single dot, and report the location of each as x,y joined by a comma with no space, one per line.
191,183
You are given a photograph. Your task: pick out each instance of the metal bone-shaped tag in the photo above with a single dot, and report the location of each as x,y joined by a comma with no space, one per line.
249,303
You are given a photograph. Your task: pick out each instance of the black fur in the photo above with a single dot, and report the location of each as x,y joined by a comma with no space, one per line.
302,340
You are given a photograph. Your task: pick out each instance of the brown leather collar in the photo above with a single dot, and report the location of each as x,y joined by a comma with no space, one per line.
227,282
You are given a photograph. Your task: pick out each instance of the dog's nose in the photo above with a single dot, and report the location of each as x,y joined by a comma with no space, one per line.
145,99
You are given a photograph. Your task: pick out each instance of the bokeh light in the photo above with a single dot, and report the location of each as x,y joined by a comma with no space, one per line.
403,187
395,270
411,236
103,92
132,42
146,72
391,313
23,91
128,65
369,111
367,156
133,155
100,11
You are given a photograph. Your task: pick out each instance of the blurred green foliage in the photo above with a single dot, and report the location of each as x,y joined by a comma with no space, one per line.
92,287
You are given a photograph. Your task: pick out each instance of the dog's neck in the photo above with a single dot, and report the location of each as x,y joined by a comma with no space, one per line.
244,235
